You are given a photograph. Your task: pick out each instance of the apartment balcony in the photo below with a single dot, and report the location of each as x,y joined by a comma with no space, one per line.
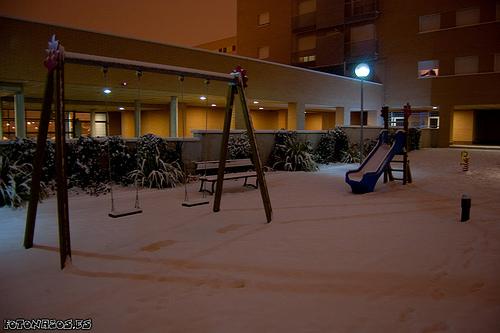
305,58
305,22
361,10
363,50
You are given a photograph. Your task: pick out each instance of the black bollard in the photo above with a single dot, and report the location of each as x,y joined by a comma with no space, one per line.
466,202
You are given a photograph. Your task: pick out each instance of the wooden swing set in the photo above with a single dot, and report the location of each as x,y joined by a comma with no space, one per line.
55,63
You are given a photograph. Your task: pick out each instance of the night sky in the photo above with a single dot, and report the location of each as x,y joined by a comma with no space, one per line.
186,22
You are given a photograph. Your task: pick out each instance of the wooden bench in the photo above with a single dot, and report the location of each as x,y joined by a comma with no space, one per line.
230,172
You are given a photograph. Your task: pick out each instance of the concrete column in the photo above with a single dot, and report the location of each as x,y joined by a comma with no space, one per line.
238,120
374,118
137,119
19,115
296,118
339,116
347,115
174,116
92,124
445,125
1,124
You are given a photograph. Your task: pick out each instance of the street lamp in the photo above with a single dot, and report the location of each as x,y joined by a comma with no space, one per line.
362,71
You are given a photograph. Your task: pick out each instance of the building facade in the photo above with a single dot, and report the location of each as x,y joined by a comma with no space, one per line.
442,57
279,96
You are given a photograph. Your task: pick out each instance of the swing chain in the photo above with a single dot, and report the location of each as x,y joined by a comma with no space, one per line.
137,203
105,74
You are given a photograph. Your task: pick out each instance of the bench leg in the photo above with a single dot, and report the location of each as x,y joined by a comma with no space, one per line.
213,188
251,185
202,186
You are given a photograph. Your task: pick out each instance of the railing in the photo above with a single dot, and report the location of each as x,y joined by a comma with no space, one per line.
362,49
304,22
360,10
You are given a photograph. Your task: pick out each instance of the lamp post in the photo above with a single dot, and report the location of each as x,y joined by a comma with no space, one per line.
362,71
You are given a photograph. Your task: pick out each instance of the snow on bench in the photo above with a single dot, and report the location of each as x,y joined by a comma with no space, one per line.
229,172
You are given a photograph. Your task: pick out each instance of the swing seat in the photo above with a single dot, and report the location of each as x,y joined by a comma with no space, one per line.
192,203
122,213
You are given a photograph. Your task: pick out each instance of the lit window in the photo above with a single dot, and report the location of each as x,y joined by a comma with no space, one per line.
307,58
433,122
100,124
264,18
430,22
497,62
467,16
307,6
466,65
264,52
428,68
396,121
306,43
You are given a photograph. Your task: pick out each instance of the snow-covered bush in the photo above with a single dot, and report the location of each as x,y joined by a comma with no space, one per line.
352,154
278,152
122,159
332,146
15,183
154,170
239,146
290,154
23,151
88,167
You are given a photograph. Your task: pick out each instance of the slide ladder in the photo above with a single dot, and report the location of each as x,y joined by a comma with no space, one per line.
364,178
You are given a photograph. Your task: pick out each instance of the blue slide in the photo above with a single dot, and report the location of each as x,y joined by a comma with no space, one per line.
364,178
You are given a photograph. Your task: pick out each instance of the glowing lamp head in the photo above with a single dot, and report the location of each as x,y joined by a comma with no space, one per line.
362,70
203,98
107,91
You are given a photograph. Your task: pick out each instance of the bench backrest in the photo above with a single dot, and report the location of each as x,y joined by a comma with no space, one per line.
210,165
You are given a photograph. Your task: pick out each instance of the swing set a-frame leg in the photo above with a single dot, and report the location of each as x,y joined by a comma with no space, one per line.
233,89
36,175
55,64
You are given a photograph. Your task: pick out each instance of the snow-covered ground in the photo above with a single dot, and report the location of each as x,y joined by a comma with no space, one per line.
396,260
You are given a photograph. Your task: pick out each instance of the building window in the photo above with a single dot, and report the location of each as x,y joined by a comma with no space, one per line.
429,22
466,65
233,48
467,16
396,119
264,52
433,122
498,11
307,6
309,58
362,33
264,18
356,118
100,124
306,43
496,67
428,68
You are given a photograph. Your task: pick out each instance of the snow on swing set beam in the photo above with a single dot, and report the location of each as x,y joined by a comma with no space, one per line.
54,62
